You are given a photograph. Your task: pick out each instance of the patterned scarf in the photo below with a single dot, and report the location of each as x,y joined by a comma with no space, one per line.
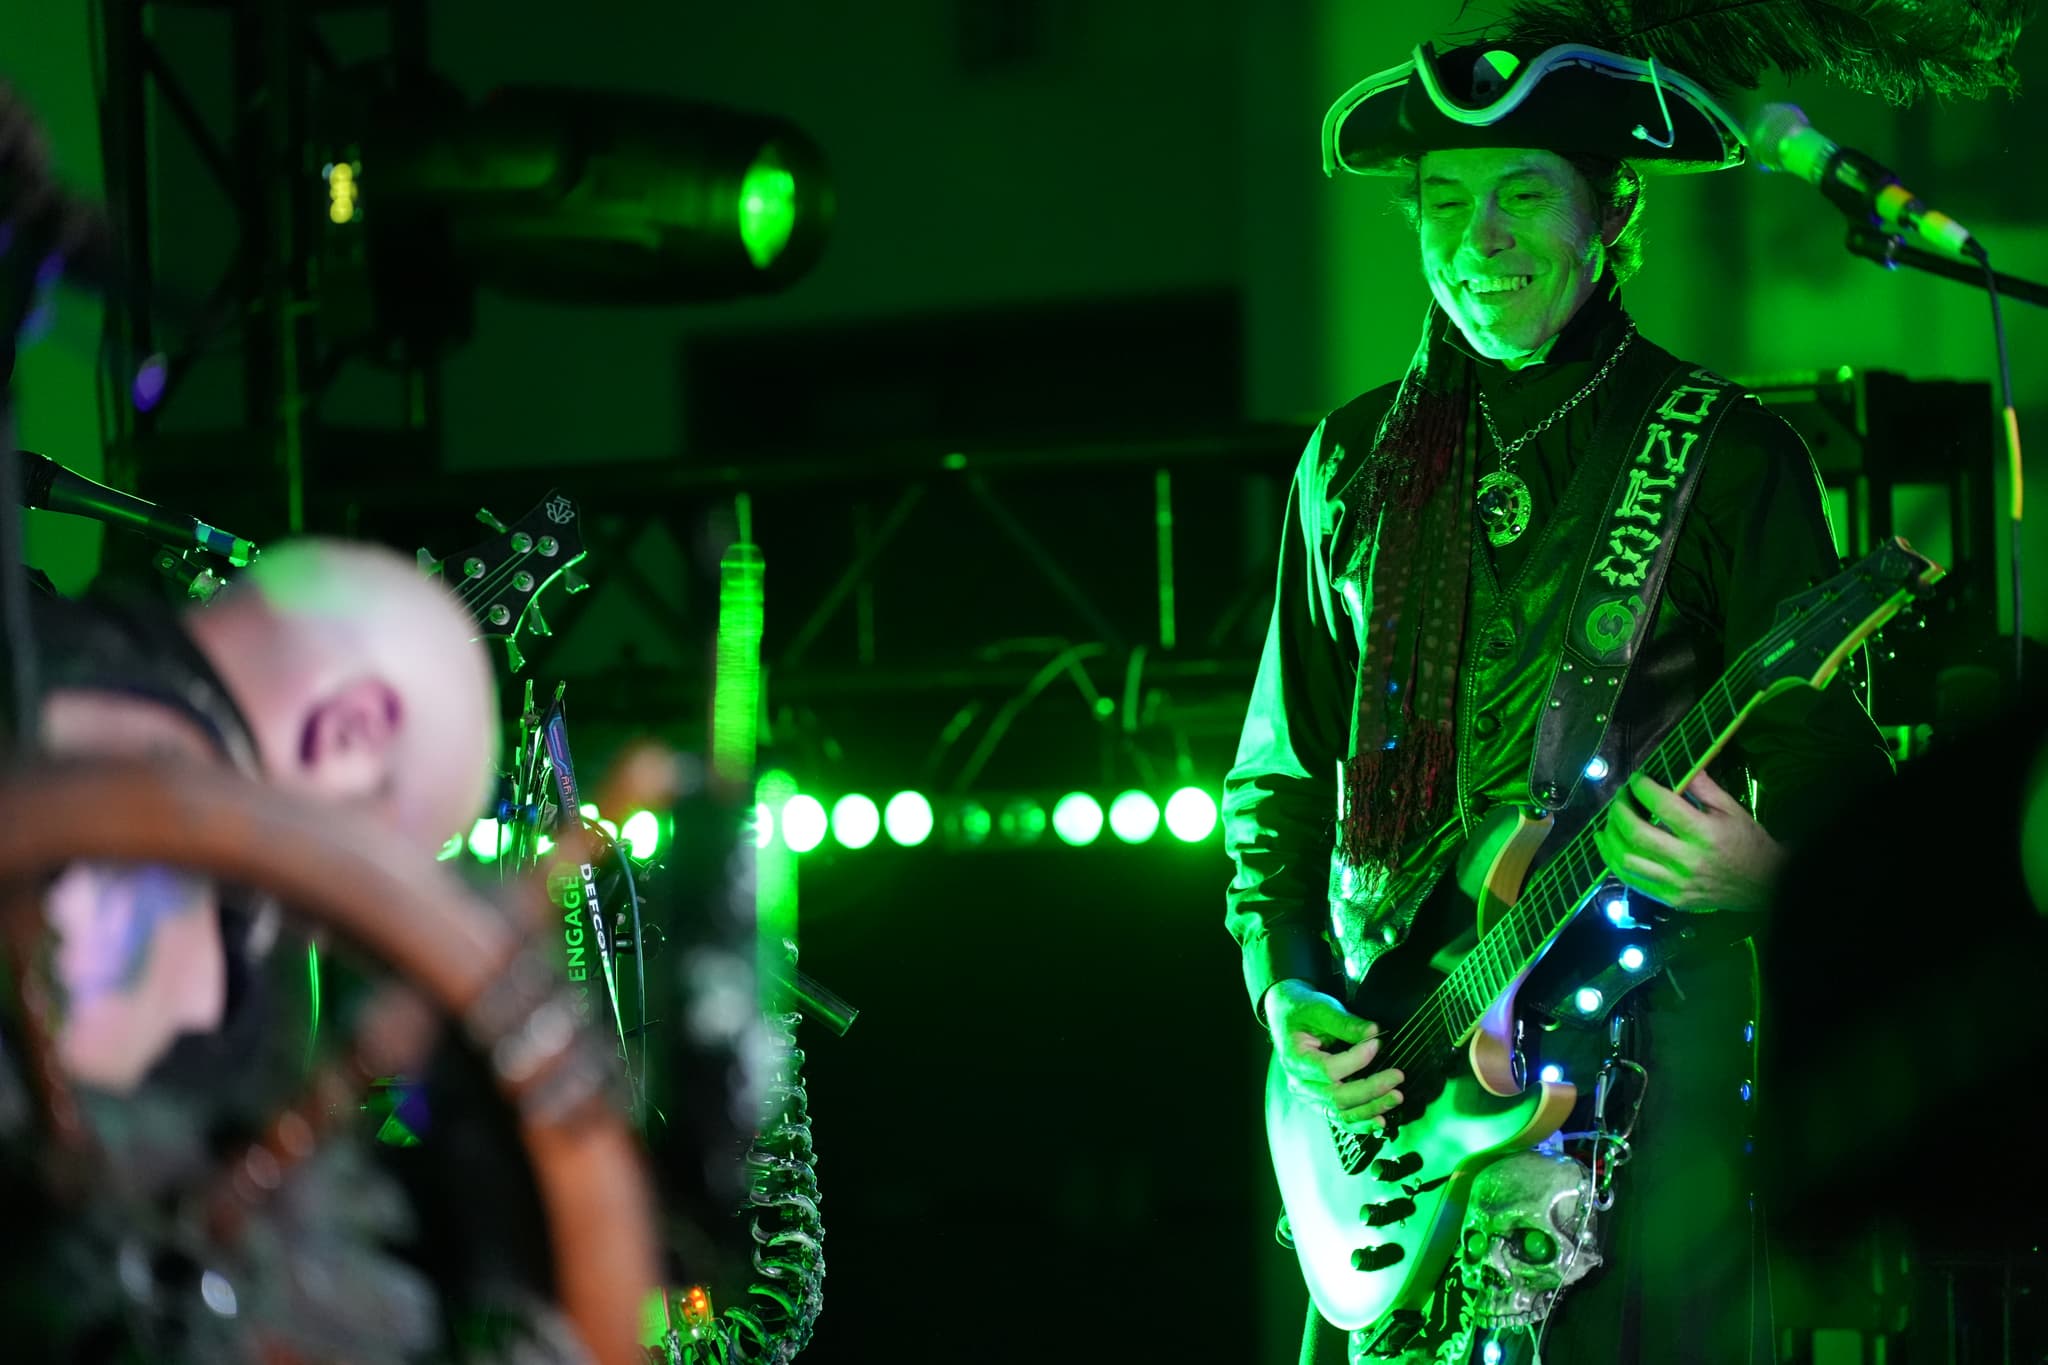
1410,543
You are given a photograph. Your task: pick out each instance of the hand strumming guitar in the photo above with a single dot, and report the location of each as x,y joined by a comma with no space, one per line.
1325,1050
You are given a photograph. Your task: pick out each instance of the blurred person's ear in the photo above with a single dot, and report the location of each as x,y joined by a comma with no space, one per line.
348,741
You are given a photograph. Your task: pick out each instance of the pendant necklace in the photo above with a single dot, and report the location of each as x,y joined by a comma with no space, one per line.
1504,501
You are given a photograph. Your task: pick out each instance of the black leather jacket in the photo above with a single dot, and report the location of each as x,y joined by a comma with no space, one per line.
1757,533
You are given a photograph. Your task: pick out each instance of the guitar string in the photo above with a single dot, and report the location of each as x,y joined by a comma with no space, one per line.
468,589
1407,1048
1494,949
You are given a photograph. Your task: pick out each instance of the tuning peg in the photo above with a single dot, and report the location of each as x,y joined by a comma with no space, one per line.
573,582
427,559
513,658
484,515
538,622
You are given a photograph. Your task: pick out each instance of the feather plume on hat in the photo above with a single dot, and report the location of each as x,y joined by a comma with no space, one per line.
1900,50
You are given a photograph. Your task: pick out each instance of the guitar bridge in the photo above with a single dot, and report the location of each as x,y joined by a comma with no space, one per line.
1354,1150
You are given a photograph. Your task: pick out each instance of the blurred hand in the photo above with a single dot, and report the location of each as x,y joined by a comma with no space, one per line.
1325,1050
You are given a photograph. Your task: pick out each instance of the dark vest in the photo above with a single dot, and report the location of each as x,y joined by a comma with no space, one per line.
1516,634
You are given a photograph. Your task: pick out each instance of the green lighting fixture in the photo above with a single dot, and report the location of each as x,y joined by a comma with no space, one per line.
642,833
1134,817
975,822
1077,819
908,818
855,821
484,840
803,823
1191,814
1022,821
767,207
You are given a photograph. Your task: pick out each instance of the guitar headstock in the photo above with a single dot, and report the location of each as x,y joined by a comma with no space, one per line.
1817,630
500,580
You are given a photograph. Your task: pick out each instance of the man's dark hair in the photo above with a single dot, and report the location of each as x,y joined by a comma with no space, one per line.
1612,184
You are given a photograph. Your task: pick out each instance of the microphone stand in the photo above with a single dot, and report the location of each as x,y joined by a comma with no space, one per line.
1873,243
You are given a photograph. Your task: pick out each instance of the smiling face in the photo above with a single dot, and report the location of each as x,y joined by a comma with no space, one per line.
1510,245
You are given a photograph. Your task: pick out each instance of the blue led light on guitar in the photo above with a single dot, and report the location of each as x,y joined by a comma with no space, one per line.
1589,1000
1633,958
1491,1355
1617,912
1597,769
1551,1074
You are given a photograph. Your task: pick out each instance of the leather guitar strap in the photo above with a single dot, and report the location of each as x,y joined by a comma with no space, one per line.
1623,581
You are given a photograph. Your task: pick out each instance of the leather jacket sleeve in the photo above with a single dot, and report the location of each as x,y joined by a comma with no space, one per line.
1763,513
1279,799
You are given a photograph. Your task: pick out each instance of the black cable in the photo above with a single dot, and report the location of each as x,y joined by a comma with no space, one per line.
2014,506
640,970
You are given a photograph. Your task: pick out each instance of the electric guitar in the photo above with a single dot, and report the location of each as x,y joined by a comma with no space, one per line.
501,579
1375,1216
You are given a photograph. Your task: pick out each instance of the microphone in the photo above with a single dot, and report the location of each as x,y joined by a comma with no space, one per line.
50,486
1865,189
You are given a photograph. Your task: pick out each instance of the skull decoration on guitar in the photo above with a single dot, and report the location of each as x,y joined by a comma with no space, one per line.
1375,1217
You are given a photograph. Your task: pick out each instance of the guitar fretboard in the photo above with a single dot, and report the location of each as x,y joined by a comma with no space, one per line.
1551,897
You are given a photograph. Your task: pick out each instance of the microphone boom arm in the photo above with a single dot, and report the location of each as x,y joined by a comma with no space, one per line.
1875,244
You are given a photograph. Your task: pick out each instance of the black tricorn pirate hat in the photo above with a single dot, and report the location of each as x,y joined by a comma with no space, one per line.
1568,98
1641,81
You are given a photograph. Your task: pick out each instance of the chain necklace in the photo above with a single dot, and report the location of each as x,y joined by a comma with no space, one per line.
1504,501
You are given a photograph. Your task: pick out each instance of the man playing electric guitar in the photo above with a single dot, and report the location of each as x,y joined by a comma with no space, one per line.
1503,578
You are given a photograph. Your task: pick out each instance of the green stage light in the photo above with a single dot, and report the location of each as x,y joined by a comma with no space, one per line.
767,208
803,823
1134,817
774,787
764,824
483,840
855,821
1077,819
642,833
1191,814
1022,821
975,822
908,818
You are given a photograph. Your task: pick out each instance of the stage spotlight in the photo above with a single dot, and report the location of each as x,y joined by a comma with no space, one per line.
574,196
642,833
971,822
908,818
1191,814
1022,821
1077,819
803,823
855,821
1134,817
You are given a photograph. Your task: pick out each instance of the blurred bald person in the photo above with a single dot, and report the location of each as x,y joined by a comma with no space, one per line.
331,670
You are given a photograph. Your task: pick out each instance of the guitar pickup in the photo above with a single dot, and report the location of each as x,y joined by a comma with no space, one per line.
1394,1169
1392,1211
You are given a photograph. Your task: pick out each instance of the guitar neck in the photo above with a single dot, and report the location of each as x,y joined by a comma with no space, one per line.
1553,896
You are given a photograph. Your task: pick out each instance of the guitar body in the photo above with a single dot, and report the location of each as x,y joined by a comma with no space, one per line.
1375,1219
